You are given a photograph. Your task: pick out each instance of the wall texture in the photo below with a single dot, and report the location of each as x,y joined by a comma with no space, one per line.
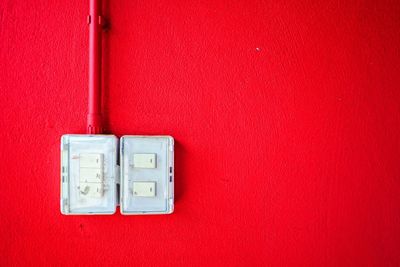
286,116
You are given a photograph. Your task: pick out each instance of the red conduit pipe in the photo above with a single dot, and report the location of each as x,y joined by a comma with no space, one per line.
95,21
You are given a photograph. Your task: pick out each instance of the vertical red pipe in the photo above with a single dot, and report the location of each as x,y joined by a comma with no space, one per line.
94,103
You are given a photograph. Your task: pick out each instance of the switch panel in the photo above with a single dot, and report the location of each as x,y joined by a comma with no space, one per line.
91,174
144,189
146,161
88,174
147,178
91,180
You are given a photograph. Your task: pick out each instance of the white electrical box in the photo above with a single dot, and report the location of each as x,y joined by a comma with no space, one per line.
90,174
147,174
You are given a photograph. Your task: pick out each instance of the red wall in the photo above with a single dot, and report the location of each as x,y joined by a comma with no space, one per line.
286,117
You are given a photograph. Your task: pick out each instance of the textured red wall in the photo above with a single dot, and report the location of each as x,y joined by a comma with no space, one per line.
286,117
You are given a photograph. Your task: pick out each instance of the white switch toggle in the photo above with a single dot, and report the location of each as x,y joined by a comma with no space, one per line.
91,161
94,190
144,189
147,161
90,175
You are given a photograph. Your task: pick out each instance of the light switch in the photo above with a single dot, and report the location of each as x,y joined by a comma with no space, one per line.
144,189
93,190
146,161
90,175
91,161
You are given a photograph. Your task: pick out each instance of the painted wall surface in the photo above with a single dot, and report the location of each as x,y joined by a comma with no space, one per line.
286,116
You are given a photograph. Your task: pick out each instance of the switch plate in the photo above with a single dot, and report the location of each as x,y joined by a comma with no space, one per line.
88,174
147,178
91,180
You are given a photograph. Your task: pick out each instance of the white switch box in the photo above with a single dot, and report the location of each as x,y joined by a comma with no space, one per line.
147,174
91,178
88,174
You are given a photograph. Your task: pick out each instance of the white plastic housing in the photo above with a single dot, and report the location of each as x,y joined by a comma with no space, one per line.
147,174
88,174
